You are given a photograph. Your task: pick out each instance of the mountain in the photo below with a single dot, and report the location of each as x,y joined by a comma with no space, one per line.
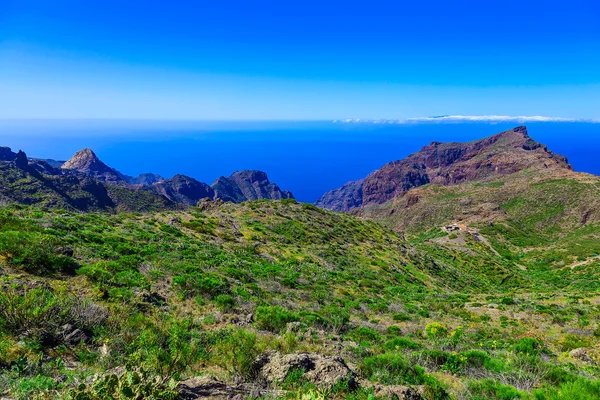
86,162
447,164
144,179
473,275
183,189
34,181
248,185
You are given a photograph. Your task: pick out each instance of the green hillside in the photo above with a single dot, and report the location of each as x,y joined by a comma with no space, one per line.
128,305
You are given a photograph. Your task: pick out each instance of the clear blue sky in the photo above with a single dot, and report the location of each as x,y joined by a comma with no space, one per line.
298,59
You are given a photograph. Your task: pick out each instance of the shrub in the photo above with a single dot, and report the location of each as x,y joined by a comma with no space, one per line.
530,346
41,312
225,302
201,284
167,346
332,318
34,252
392,369
489,389
436,330
401,317
400,343
237,352
571,342
274,318
364,334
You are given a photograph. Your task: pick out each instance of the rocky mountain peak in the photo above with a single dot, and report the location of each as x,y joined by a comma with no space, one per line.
86,161
248,185
447,164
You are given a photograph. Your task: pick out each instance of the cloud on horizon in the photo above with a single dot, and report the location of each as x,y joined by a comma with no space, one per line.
473,118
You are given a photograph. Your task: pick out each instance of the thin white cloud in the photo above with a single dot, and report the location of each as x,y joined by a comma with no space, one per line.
473,118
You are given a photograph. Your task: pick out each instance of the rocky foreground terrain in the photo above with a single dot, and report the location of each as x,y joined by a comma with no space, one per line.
466,271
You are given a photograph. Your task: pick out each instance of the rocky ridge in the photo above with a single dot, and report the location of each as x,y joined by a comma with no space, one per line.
446,164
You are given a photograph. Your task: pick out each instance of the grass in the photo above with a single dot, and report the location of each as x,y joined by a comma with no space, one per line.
175,294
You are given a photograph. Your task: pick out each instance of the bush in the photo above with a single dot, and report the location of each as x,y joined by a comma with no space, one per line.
401,317
489,389
436,330
40,313
392,369
274,318
237,353
364,334
571,342
225,302
331,318
577,389
34,252
530,346
400,343
207,285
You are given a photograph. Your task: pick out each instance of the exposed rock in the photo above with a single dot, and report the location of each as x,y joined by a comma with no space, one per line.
21,160
207,204
248,185
397,392
446,164
86,162
6,154
581,354
71,335
209,387
184,189
344,198
273,367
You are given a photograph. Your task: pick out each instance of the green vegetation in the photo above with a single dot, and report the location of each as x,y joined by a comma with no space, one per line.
128,305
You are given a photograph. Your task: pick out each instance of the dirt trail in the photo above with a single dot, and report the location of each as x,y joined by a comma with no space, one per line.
584,262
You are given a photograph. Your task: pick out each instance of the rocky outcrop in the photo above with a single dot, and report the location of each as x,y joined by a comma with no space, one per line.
248,185
183,189
6,154
86,162
446,164
344,198
272,368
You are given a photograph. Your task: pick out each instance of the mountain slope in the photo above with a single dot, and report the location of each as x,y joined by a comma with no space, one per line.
447,164
183,189
210,295
248,185
36,182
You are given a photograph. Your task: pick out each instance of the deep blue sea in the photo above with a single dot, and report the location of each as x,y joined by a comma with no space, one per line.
307,158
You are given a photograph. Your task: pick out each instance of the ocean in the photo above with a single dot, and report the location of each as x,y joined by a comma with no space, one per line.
307,158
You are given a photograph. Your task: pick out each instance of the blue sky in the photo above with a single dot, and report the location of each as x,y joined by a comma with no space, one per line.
298,59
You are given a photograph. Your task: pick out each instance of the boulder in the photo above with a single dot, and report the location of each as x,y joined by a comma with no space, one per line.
71,335
273,367
581,354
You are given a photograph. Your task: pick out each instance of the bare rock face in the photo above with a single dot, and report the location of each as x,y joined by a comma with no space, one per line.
86,162
184,189
248,185
344,198
446,164
273,367
6,154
